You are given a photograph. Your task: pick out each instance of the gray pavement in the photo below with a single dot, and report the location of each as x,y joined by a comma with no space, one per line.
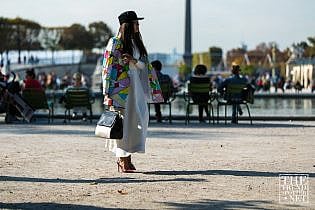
202,166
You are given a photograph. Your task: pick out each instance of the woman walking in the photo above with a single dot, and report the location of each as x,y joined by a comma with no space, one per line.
129,83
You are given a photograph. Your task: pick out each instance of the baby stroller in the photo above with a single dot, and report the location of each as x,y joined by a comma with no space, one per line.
11,102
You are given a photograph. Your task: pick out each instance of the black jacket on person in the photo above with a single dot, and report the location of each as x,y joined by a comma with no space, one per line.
165,79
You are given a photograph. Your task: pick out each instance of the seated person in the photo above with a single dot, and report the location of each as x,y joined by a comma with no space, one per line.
163,78
298,86
30,81
3,104
7,103
200,77
235,78
77,83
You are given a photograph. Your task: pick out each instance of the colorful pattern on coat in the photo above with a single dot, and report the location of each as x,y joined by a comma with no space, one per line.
115,78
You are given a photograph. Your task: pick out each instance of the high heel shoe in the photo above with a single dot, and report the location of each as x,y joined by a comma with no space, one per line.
131,166
122,167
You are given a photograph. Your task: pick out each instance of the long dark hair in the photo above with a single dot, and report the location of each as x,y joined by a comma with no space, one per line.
127,34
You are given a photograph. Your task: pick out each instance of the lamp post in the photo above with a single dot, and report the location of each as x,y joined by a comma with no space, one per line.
187,54
19,43
273,54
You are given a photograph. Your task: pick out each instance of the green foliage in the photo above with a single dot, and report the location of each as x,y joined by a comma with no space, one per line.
303,45
26,33
6,33
249,70
216,55
310,50
311,40
201,58
183,72
21,34
100,33
76,37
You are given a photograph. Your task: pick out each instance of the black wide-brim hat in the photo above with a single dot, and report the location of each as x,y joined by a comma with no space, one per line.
128,17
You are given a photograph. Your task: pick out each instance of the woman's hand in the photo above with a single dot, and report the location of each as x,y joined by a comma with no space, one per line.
127,58
108,101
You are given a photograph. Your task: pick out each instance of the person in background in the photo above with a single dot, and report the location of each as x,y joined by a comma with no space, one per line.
163,78
77,83
52,81
65,81
86,81
7,105
298,87
3,103
1,74
30,81
199,76
24,59
42,78
129,83
235,78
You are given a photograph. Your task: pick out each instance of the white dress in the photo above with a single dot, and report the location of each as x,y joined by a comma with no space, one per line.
135,116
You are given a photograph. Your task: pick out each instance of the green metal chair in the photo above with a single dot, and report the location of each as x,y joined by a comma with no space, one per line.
169,97
199,88
37,100
77,97
235,94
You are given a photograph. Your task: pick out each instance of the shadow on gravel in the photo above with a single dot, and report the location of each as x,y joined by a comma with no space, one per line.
48,131
190,131
227,204
48,206
94,181
32,129
225,173
178,134
273,125
260,124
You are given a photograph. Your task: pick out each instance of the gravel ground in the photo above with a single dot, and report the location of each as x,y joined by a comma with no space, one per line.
198,166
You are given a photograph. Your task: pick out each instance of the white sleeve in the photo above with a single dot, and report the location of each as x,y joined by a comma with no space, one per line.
109,46
140,65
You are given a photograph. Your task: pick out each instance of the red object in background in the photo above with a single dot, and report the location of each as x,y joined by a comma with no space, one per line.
32,83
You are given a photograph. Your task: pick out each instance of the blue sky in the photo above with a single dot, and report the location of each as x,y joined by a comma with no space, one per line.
223,23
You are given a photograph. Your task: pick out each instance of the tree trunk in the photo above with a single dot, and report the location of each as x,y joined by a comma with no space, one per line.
19,44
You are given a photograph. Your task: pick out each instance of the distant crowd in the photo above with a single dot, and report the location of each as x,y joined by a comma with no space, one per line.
12,90
265,82
51,81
